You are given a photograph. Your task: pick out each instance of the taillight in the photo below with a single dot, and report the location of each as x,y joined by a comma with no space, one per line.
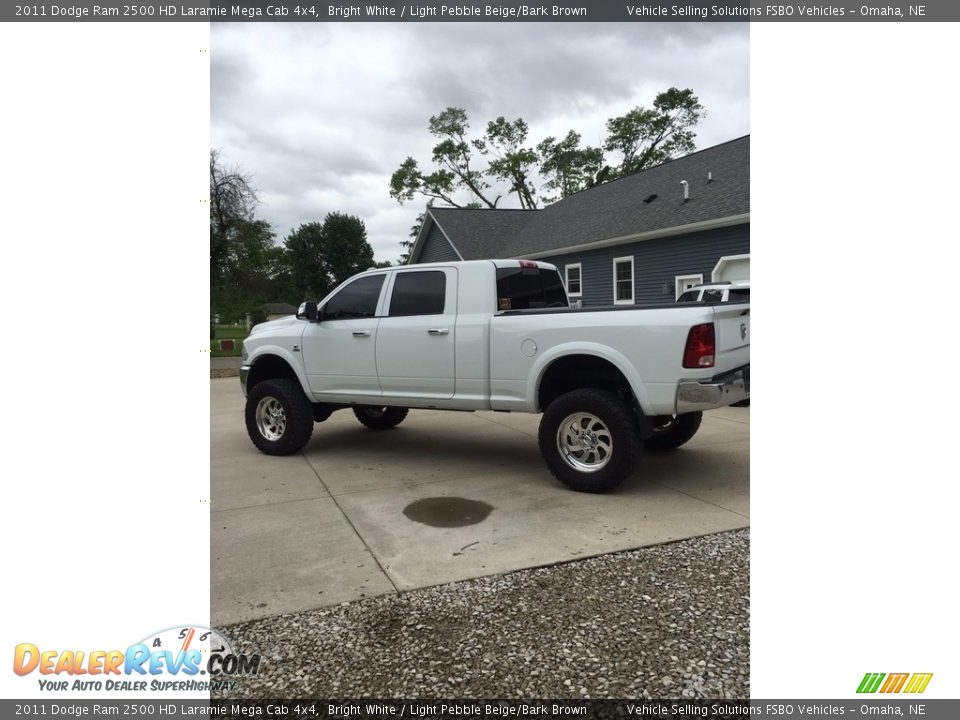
701,347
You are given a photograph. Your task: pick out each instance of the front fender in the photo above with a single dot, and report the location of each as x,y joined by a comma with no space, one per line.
293,359
615,358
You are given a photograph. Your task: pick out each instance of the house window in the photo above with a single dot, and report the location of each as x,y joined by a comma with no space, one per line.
574,283
623,281
685,282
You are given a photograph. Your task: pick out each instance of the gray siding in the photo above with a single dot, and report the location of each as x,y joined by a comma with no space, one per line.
436,248
656,263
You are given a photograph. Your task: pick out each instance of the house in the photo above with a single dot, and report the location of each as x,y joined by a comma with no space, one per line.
644,238
274,311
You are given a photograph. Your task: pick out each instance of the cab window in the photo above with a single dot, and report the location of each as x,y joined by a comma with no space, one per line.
356,300
523,288
419,293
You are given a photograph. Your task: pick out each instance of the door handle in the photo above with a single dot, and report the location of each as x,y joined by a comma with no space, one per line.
439,331
361,333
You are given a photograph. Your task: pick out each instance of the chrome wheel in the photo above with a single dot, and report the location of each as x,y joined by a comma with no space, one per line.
584,442
374,411
271,418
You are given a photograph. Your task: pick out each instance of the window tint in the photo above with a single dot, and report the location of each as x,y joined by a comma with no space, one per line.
688,296
356,300
740,295
521,288
419,293
713,296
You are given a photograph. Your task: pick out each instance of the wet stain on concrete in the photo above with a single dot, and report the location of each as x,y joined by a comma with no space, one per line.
448,512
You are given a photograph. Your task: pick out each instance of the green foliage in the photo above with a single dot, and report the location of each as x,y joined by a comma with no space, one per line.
319,256
453,173
232,200
509,160
649,136
568,167
407,245
641,138
224,332
248,269
247,272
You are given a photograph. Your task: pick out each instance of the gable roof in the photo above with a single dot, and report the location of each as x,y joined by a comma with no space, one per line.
279,309
617,210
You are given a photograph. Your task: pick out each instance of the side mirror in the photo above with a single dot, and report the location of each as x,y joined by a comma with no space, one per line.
307,311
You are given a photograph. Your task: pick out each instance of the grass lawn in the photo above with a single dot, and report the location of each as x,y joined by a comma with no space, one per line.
224,332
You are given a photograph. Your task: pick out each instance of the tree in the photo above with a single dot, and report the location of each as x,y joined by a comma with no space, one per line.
248,272
407,245
304,266
641,138
453,156
346,250
509,160
232,201
650,136
569,168
320,256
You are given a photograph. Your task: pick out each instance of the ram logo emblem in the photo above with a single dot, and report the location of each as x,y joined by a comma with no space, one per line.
743,331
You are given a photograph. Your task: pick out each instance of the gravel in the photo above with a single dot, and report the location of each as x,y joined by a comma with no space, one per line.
670,621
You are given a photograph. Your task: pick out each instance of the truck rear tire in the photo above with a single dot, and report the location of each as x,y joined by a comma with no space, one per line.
672,431
279,417
588,439
380,418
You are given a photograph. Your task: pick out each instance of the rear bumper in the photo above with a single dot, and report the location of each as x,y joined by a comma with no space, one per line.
719,391
244,371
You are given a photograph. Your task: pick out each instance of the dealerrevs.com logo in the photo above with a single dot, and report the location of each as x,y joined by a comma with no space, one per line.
894,682
184,658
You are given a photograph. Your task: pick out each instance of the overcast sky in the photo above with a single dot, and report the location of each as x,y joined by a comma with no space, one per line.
322,114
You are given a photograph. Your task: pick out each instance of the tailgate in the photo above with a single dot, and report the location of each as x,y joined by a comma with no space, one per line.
732,328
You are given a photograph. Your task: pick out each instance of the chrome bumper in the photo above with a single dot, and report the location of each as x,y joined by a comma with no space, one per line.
244,371
717,392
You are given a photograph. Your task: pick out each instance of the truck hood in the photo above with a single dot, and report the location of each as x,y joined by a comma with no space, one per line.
273,325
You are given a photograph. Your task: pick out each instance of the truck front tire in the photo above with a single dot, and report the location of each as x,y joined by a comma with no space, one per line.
380,418
589,441
279,417
670,432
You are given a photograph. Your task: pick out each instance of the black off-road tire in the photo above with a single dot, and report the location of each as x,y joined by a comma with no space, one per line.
619,429
297,415
671,434
380,418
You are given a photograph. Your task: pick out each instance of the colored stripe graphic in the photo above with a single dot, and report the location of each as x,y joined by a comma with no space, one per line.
894,682
918,682
870,682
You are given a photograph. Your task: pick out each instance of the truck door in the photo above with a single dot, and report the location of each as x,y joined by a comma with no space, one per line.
339,351
416,336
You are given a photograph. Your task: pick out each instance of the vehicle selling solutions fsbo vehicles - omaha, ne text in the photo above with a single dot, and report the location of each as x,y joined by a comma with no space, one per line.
498,335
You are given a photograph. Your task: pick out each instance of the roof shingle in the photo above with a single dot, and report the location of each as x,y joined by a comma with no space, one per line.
615,209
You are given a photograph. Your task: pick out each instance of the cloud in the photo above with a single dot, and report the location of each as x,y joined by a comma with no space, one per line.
322,114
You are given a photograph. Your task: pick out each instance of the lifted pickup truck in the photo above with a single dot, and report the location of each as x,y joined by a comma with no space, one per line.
498,335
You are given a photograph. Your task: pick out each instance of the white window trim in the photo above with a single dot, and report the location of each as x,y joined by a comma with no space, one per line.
566,279
679,279
633,280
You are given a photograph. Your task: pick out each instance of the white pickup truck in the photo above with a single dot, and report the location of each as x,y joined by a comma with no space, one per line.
498,335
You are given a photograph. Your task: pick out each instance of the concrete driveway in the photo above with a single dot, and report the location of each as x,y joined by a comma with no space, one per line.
445,496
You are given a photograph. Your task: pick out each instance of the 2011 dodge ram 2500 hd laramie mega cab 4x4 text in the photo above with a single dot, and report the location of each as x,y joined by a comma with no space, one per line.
498,335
